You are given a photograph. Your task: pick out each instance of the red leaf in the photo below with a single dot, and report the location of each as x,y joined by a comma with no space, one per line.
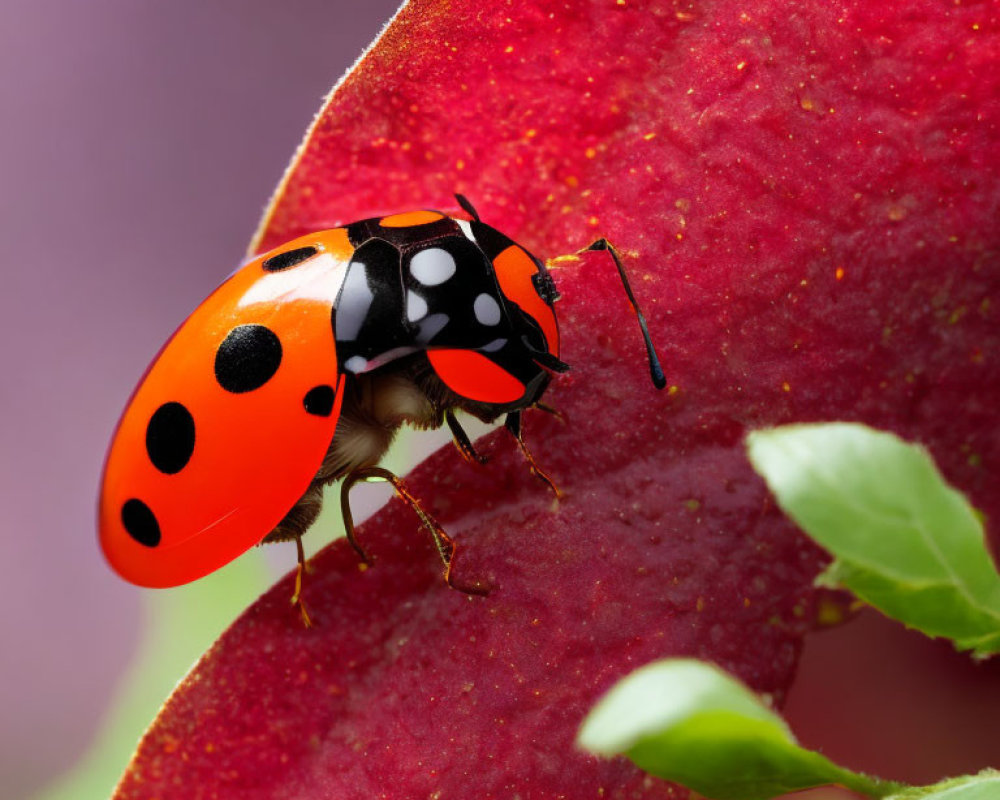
809,196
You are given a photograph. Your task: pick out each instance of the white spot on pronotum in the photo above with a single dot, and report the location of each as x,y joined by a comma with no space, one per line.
431,326
492,347
356,364
466,227
416,307
353,305
389,355
432,266
487,310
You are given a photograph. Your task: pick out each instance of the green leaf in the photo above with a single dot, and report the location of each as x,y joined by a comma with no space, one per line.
688,722
984,786
903,539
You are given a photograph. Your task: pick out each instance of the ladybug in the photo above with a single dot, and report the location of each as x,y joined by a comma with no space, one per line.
300,368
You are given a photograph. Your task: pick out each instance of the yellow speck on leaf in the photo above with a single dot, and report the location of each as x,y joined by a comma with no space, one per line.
830,613
897,212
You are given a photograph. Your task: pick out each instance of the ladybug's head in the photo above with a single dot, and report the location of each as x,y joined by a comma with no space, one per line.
525,283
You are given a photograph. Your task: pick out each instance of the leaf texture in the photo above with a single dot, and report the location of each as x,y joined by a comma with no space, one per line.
807,198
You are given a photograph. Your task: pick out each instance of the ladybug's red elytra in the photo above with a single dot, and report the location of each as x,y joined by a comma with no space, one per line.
300,368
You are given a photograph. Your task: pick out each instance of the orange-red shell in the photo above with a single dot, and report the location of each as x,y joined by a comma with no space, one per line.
474,376
515,271
254,451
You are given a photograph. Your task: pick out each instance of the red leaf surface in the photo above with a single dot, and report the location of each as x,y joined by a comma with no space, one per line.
808,195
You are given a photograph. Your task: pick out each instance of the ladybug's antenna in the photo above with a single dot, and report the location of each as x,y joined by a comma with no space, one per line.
467,207
655,368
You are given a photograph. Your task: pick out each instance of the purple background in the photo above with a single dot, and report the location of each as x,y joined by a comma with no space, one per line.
139,143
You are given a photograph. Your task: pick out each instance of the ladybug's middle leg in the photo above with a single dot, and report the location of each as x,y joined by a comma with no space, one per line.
462,440
444,544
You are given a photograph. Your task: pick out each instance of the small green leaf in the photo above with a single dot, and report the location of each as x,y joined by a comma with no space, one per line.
688,722
984,786
904,540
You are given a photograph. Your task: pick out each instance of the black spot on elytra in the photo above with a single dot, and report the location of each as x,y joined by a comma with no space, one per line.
319,401
247,358
170,438
140,523
288,259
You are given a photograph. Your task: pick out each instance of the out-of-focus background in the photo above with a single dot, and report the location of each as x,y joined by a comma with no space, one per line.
139,143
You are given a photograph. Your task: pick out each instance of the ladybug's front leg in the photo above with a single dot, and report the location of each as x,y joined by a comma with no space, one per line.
444,544
513,425
555,412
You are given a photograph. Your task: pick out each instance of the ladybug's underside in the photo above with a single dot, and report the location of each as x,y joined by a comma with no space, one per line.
408,290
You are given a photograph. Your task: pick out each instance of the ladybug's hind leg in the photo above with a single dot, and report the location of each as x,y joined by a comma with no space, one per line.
513,426
444,544
293,526
299,577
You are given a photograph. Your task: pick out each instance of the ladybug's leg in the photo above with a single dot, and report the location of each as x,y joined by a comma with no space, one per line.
462,440
445,546
345,510
555,412
513,425
295,523
299,576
